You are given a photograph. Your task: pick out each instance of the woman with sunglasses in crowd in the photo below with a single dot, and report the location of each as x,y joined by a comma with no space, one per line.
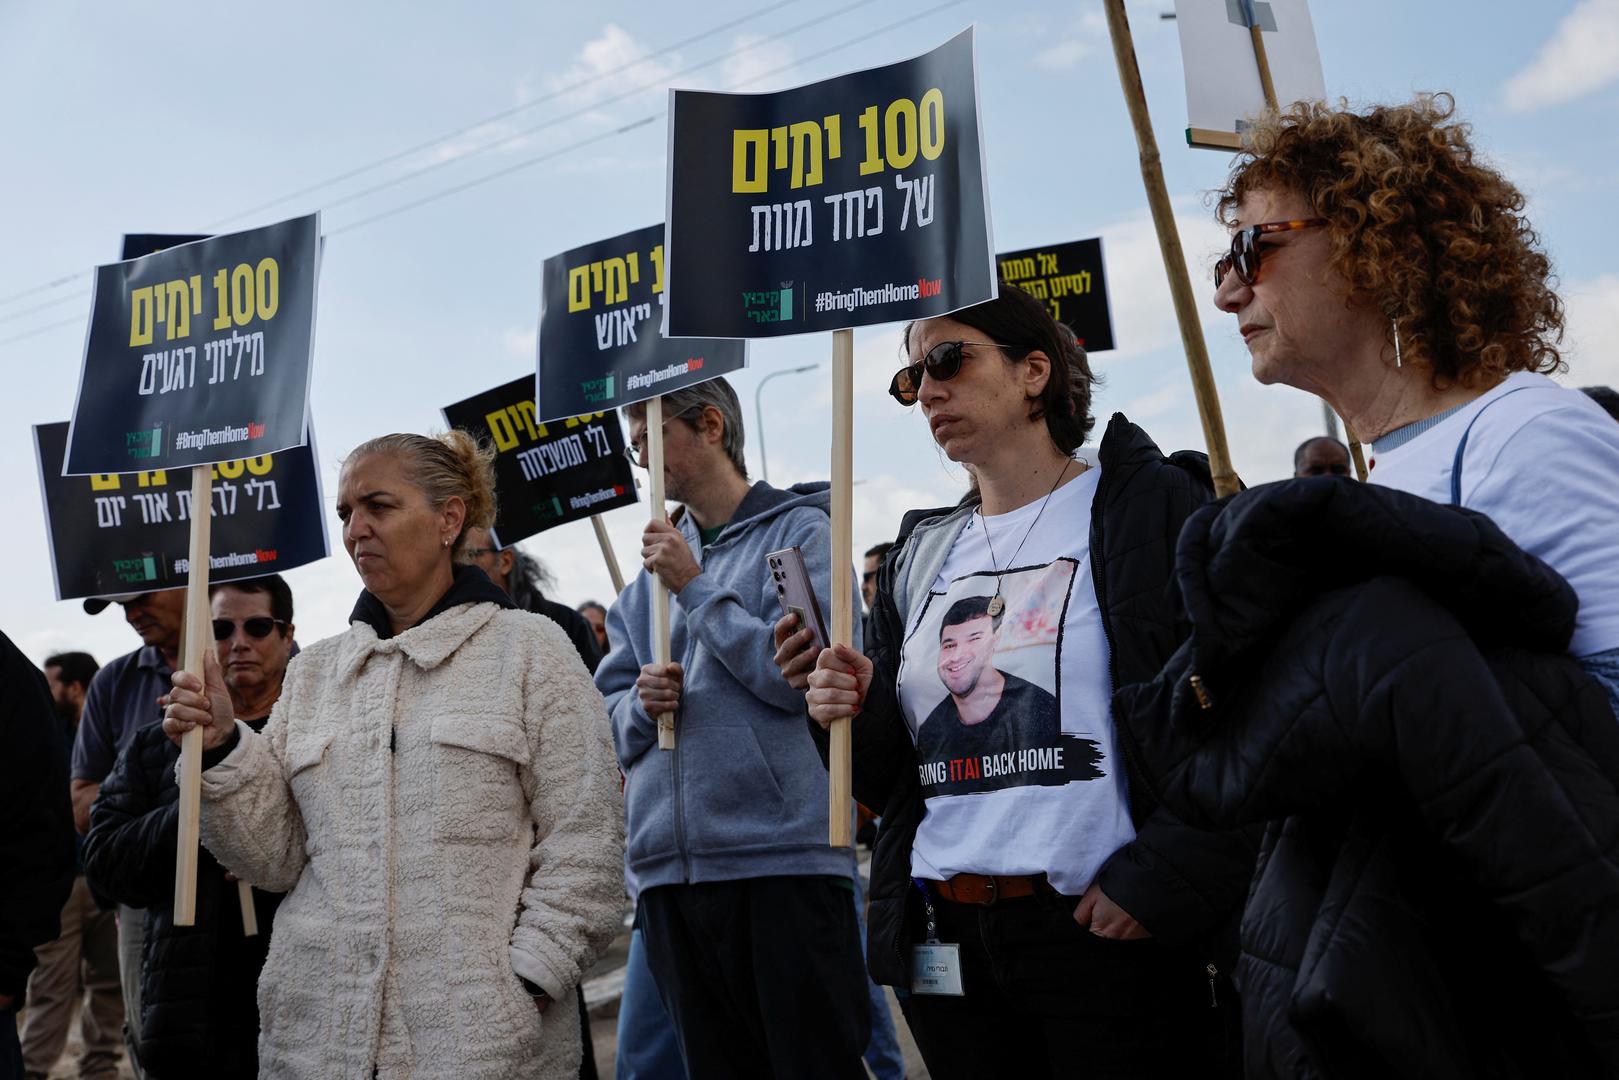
1387,679
435,793
1048,918
198,1013
1376,263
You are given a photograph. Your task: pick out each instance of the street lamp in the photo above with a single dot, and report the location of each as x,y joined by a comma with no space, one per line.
759,414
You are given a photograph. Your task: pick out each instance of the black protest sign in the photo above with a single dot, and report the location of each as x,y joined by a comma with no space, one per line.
138,244
849,202
546,474
1069,279
198,353
601,346
131,533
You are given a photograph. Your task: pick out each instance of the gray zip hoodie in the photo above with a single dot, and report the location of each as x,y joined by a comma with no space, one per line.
743,794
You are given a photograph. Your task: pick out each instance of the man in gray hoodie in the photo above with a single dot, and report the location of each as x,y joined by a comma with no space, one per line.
747,915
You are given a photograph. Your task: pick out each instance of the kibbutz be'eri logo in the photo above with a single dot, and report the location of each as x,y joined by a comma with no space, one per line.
146,443
771,305
597,390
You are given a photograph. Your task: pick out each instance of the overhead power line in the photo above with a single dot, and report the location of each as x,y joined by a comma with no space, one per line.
468,128
388,159
661,81
909,21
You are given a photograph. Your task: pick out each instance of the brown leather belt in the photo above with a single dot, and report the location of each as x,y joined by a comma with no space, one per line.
979,889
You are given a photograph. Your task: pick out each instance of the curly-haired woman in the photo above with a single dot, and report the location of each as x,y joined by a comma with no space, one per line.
435,792
1376,262
1383,677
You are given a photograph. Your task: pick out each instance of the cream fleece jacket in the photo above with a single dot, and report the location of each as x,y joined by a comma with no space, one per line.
443,809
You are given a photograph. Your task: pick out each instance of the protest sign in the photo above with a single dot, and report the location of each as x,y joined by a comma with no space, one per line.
1254,55
848,202
1225,88
546,474
198,353
1169,247
1070,280
137,244
112,534
600,345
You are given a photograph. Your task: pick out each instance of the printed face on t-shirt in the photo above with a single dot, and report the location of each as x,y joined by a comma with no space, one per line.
991,719
965,651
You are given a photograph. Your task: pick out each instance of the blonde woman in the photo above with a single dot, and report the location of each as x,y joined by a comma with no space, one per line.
434,789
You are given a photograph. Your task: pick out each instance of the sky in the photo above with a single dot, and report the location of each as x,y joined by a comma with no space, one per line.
451,149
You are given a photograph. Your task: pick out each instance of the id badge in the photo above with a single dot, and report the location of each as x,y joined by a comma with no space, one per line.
936,969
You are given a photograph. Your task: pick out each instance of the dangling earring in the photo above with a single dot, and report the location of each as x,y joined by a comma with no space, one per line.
1398,361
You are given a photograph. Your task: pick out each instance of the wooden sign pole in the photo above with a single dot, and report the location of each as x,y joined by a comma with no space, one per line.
840,763
607,544
1262,61
660,594
250,917
198,636
1180,285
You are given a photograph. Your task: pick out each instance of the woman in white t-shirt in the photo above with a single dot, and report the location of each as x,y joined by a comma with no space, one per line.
1047,917
1375,262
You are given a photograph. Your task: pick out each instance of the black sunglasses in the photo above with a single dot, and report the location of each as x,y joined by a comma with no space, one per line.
942,363
259,626
1243,258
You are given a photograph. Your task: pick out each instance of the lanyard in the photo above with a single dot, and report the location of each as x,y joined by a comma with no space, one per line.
927,907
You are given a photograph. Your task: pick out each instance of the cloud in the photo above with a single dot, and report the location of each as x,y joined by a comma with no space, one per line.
1138,287
755,61
1581,56
501,135
520,342
1080,41
1592,328
1167,398
609,70
616,70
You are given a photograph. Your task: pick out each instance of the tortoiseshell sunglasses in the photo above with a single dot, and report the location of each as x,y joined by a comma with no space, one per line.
1244,254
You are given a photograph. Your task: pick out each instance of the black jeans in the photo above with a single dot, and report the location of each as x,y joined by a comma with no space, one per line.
763,977
1047,998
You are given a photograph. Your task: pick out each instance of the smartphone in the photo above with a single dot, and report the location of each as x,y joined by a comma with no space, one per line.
797,597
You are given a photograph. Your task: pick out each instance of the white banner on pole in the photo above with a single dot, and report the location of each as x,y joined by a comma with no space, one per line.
1223,89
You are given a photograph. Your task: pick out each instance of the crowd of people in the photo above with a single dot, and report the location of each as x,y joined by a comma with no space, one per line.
1319,779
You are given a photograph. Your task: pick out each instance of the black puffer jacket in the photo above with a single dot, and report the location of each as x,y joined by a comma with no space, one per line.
1438,892
1182,884
36,846
199,984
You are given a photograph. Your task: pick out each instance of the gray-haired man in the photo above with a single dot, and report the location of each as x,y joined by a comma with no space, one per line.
747,915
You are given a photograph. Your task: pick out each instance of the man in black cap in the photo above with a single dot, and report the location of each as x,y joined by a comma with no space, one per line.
123,698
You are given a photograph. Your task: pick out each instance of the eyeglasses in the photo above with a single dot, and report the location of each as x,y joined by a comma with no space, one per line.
1336,468
942,363
634,450
1244,254
478,553
259,626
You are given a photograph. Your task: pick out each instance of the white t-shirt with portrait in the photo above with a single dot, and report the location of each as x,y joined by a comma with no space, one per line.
1543,462
1014,735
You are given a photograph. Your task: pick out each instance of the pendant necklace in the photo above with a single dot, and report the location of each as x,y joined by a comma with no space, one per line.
997,603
